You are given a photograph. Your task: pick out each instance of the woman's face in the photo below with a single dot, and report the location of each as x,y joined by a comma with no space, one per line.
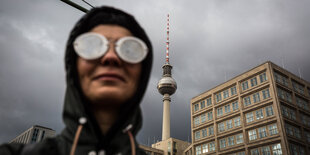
108,80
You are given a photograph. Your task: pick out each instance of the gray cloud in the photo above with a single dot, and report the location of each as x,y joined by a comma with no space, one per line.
211,41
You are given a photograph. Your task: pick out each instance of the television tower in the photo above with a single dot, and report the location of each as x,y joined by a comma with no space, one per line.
166,86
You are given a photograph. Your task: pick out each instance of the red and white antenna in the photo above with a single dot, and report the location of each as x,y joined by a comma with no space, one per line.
167,43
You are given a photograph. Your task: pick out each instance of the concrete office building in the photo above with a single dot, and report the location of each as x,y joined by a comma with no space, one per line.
265,110
34,134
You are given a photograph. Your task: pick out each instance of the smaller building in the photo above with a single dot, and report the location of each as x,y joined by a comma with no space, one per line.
151,151
171,146
34,134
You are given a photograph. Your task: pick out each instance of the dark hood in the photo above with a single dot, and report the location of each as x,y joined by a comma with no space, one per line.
75,105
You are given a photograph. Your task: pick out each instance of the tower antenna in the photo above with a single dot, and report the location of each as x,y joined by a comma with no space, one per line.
167,42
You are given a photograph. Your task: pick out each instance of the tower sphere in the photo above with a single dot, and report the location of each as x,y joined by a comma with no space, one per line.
167,85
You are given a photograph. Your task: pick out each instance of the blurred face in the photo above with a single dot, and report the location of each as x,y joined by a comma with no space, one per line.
108,80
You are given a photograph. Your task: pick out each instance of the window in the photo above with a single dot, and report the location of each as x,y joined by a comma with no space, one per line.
209,102
266,93
210,115
262,132
256,97
221,127
202,104
235,106
219,111
244,85
197,135
218,97
289,129
212,146
241,153
305,119
198,150
273,130
296,149
196,121
254,151
196,107
307,136
288,112
281,79
284,95
203,118
233,90
227,108
222,143
204,132
259,114
266,150
276,149
269,111
237,121
204,148
249,117
225,94
239,138
263,77
246,101
253,82
298,87
211,131
302,103
231,141
252,135
229,124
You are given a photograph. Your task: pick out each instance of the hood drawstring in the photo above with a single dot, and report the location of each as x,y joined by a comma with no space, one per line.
82,121
132,142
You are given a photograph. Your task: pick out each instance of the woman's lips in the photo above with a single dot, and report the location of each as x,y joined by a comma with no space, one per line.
109,77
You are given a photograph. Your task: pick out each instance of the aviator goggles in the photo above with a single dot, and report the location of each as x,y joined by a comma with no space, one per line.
92,45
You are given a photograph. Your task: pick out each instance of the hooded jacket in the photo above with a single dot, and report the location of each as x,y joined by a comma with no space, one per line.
91,140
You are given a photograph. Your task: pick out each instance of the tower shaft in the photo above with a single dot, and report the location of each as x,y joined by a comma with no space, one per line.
166,117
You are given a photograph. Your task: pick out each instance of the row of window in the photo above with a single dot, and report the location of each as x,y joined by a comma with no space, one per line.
305,119
229,124
204,103
296,149
208,131
256,97
203,118
205,148
227,108
285,81
267,150
231,141
225,94
292,130
253,81
259,114
263,132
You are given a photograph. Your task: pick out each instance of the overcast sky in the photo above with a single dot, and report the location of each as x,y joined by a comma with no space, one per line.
210,42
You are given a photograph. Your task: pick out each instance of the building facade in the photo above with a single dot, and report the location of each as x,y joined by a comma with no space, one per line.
262,111
34,134
171,146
